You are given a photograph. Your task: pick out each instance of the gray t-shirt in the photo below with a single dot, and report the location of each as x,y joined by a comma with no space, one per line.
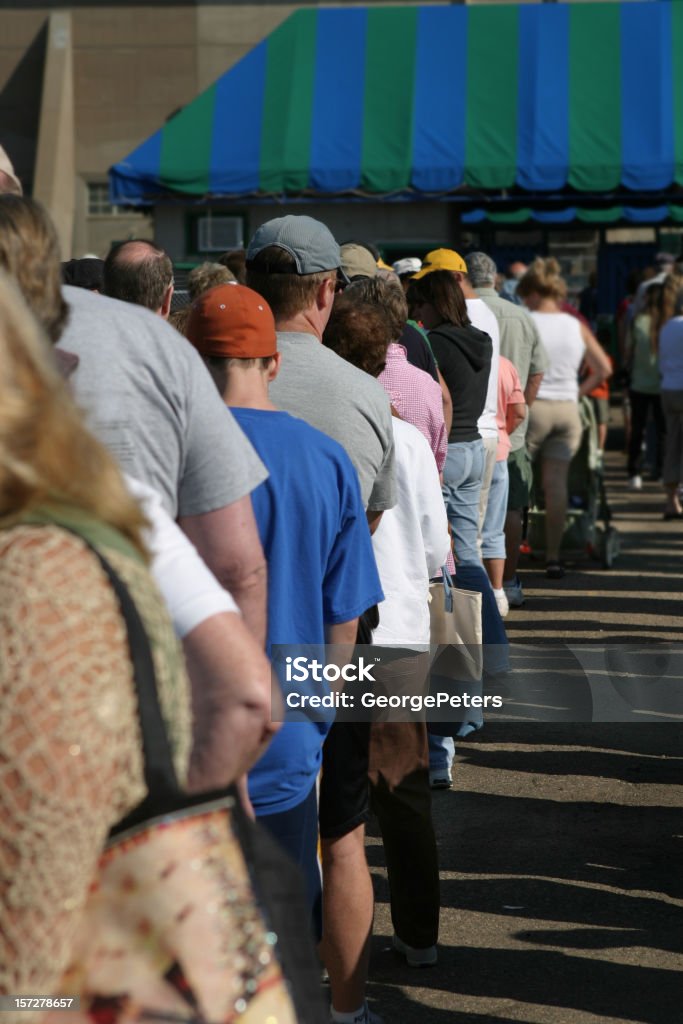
343,402
149,398
521,343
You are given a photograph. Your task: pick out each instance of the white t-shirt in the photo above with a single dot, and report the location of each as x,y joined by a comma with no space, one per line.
483,318
671,354
411,542
191,592
565,347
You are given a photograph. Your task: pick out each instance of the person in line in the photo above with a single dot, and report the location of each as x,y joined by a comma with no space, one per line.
71,761
313,529
514,274
150,400
641,358
236,262
207,275
554,433
85,273
521,343
295,264
9,182
138,271
411,338
511,413
414,394
671,374
481,317
464,354
411,545
406,269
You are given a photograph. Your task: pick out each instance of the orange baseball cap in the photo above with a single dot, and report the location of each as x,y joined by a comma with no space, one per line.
441,259
232,321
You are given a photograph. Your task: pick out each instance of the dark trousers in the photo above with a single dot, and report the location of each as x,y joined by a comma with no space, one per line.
640,405
404,813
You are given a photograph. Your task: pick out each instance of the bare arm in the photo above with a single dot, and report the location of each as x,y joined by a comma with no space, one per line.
228,541
516,414
447,403
531,389
231,701
341,644
599,367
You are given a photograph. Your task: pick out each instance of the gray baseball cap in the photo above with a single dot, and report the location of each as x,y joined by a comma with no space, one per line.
309,242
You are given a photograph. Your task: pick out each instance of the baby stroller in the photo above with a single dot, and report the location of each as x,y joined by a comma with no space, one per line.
588,529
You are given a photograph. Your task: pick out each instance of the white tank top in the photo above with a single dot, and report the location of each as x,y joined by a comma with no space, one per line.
563,341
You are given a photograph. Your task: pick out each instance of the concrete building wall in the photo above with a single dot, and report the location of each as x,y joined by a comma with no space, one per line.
406,226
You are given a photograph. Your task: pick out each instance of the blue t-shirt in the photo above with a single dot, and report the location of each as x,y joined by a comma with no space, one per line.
321,571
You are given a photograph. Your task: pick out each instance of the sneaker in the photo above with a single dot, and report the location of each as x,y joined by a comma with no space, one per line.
364,1016
514,593
426,957
501,602
439,778
635,483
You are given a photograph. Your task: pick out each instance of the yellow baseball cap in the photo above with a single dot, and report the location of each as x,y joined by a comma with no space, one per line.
441,259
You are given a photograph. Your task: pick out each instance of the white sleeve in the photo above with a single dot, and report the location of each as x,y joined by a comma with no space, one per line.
191,592
433,518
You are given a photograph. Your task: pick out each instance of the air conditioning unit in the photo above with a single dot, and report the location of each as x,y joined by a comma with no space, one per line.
219,234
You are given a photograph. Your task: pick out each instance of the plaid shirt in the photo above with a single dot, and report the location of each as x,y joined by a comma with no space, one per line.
416,397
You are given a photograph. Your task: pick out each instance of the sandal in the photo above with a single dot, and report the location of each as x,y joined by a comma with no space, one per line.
554,570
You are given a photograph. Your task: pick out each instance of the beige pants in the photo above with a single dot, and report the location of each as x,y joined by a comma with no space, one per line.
554,430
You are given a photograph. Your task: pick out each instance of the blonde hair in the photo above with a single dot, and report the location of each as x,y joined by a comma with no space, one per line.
543,278
29,252
207,275
47,456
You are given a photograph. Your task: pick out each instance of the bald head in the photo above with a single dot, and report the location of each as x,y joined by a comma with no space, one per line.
139,272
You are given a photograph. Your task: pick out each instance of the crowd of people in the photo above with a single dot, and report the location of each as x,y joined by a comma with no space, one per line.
291,457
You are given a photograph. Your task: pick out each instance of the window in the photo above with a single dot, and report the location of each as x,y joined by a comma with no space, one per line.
219,234
98,201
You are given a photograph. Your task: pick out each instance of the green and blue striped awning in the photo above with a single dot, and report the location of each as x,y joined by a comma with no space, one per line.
427,100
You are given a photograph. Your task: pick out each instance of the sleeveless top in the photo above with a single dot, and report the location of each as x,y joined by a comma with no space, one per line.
563,341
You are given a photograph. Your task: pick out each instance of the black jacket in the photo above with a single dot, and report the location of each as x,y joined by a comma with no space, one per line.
464,356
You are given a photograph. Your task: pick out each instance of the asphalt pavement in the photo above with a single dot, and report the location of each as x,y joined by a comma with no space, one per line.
561,842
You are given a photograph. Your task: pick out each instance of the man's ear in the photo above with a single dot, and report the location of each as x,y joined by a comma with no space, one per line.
325,296
166,302
274,367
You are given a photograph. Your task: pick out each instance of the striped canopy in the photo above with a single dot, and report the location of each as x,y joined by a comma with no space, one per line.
416,101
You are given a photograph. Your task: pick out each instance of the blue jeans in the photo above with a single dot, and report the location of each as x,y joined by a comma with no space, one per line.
493,532
462,476
441,753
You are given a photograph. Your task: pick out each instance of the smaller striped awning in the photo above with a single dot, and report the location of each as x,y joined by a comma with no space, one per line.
570,214
428,100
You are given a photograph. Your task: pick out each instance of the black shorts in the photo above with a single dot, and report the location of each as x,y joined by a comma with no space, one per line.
344,785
